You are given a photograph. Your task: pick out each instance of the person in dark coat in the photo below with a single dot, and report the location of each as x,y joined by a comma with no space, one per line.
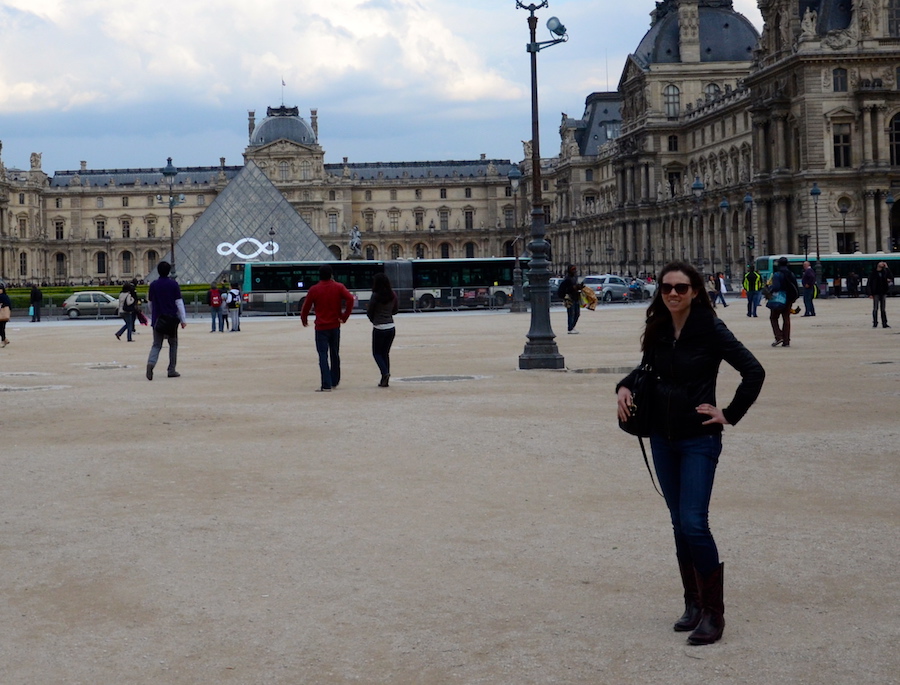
36,299
684,343
879,285
782,281
570,292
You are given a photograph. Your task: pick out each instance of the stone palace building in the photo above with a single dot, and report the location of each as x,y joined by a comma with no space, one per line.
708,152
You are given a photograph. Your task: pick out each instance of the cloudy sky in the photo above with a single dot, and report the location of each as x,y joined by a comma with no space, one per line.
127,84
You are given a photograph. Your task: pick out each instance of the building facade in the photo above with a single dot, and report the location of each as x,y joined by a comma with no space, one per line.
708,152
725,133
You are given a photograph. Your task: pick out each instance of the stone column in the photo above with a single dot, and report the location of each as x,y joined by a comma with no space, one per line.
629,184
885,225
871,235
778,147
867,136
882,154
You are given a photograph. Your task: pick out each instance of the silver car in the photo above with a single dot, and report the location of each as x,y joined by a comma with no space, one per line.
608,287
90,303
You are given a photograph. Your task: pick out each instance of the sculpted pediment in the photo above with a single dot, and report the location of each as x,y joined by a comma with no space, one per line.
632,71
284,147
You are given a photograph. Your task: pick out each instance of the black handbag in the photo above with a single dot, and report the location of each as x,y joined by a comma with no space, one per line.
638,423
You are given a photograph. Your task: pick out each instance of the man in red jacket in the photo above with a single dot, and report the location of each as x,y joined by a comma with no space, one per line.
333,304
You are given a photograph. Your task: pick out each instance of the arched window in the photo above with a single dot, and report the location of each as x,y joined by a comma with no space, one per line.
420,251
101,262
336,251
894,18
370,252
470,250
672,101
895,140
152,260
445,250
127,262
712,90
395,251
23,264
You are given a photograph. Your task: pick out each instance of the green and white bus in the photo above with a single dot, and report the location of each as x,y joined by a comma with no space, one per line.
420,284
837,266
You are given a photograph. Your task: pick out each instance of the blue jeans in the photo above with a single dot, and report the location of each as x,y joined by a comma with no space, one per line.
753,299
381,348
128,318
328,344
686,470
215,314
809,308
572,314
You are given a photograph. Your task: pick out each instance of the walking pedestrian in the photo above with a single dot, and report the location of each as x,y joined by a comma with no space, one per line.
167,313
570,292
809,290
36,299
879,285
127,303
783,293
684,343
5,314
382,307
332,303
753,288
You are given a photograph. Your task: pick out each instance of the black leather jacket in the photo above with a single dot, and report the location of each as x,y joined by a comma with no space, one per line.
686,371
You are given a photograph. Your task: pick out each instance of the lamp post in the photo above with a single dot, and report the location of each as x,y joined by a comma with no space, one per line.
697,191
518,305
272,242
815,192
540,350
108,237
750,240
588,252
170,172
609,255
843,209
724,205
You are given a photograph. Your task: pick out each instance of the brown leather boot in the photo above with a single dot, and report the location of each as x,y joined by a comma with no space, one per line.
712,620
691,617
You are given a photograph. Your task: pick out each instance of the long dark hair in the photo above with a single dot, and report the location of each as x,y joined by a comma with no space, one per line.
382,292
658,316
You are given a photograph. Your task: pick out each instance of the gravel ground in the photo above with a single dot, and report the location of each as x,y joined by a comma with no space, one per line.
470,524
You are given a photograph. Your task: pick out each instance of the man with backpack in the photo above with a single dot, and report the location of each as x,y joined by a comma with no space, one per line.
233,298
783,292
214,300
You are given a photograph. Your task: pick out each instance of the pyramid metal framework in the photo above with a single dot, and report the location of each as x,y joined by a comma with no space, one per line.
236,227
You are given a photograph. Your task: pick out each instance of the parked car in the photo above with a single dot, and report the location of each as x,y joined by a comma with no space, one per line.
648,288
608,287
554,286
90,303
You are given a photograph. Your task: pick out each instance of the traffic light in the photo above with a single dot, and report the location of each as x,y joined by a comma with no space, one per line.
895,245
751,242
856,246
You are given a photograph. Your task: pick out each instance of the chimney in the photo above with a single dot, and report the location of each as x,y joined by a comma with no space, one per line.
483,156
83,166
251,116
314,118
222,162
689,31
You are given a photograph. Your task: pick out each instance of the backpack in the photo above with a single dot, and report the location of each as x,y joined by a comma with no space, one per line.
215,299
789,285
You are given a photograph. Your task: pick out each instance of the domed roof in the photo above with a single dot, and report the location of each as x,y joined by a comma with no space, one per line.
725,36
282,123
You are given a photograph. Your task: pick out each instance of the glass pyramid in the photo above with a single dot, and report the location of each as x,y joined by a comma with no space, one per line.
236,227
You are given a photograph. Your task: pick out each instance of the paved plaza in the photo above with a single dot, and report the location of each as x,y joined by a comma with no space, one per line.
472,523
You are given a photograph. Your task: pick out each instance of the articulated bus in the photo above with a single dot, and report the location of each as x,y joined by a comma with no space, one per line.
837,266
281,287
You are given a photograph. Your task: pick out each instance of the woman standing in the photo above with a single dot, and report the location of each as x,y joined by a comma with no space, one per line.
684,343
381,310
7,303
127,302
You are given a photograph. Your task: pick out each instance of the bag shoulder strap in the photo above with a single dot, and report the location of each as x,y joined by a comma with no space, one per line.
647,464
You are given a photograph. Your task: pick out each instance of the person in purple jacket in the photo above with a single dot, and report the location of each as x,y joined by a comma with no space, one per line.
809,289
167,314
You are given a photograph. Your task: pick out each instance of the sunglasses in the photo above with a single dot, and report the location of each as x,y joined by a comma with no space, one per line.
680,288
